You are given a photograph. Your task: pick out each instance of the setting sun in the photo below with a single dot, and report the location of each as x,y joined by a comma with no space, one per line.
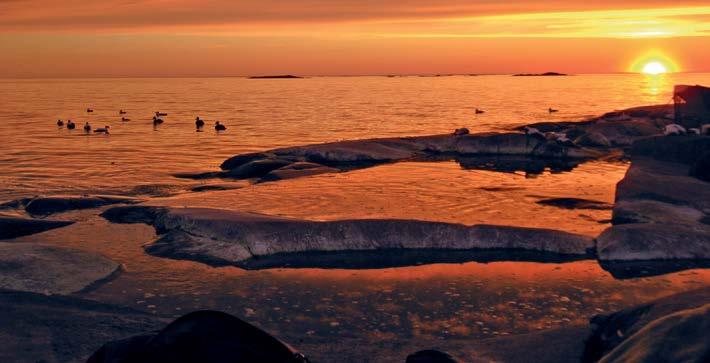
654,68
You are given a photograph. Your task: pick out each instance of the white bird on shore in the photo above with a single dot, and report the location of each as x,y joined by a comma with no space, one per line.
531,131
694,131
674,129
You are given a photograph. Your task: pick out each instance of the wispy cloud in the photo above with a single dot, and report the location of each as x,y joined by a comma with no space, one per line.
373,18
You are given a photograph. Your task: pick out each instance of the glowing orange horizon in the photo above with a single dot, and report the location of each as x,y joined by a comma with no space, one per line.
309,37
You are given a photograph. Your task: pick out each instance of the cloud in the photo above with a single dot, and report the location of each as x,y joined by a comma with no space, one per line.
403,18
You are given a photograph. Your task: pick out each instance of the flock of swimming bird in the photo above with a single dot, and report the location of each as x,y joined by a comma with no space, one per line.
157,120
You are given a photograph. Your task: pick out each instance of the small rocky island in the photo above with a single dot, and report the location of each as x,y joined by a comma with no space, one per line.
284,76
546,74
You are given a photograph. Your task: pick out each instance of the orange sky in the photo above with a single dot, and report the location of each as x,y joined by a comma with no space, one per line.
43,38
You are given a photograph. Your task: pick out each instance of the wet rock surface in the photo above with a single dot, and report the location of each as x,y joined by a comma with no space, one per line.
616,129
286,163
660,208
40,328
665,330
53,270
12,226
228,237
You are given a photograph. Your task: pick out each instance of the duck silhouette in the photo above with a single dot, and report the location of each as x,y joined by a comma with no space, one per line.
551,110
125,119
87,127
158,114
60,123
70,125
219,127
121,112
157,121
479,111
102,130
89,110
199,123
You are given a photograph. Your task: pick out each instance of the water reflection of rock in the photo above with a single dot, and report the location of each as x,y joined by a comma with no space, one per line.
511,164
389,258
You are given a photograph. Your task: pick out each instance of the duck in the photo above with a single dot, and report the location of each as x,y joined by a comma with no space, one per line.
87,127
121,112
199,123
462,131
219,127
157,121
479,111
158,114
60,123
89,110
102,130
125,119
551,110
71,125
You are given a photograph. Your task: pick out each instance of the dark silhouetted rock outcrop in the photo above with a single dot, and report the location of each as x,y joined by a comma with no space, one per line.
201,336
670,329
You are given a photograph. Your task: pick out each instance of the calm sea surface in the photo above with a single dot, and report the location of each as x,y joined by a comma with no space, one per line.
37,157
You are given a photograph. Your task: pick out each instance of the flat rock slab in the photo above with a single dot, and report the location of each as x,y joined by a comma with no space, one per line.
42,206
12,226
230,237
40,328
291,162
51,270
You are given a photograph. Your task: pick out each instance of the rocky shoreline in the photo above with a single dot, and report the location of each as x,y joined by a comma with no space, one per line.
661,213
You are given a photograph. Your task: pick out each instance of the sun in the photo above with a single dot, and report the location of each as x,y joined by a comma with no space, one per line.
654,62
654,67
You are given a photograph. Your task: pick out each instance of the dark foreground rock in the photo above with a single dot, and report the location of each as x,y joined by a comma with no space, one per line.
660,208
40,328
671,329
201,336
221,237
51,270
430,356
42,206
12,226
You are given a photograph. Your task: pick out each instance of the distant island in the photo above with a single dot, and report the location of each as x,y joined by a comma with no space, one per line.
539,74
287,76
